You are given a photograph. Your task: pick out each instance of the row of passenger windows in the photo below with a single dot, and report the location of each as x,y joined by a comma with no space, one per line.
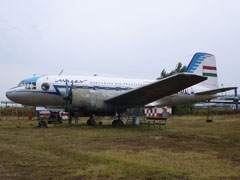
117,84
106,88
27,85
32,85
102,83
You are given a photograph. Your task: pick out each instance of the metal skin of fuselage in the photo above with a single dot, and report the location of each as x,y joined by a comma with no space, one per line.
89,93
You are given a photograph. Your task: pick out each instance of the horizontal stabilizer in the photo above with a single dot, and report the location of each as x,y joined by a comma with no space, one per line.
154,91
223,101
215,91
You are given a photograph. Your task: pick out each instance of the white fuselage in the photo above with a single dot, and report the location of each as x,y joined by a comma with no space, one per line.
90,93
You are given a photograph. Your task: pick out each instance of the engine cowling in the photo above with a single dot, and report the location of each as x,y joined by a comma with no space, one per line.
85,98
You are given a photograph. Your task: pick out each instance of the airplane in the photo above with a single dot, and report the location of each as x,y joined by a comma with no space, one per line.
104,96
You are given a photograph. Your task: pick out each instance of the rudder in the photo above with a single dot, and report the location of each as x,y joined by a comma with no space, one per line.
204,64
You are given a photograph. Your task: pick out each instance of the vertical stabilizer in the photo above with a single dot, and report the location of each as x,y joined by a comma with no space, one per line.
204,64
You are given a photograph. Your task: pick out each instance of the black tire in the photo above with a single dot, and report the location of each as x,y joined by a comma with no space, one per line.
42,124
114,123
118,123
88,123
91,122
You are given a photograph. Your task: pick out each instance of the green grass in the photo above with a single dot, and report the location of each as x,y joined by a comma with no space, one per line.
188,149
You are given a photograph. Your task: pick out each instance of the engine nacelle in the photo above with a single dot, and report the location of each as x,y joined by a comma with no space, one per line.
91,99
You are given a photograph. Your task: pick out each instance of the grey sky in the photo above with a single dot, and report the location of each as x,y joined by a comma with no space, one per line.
124,38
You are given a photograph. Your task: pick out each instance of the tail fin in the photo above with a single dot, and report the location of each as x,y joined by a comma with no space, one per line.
204,64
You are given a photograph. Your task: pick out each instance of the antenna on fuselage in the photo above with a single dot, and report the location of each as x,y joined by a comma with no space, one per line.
60,72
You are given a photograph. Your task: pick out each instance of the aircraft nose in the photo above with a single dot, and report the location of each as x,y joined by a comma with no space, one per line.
10,95
14,96
18,95
7,94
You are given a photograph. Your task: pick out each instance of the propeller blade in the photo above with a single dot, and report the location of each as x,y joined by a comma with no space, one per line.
69,111
237,99
68,99
66,88
70,91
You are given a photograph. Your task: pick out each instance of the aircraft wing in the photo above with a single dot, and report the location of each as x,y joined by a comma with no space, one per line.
215,91
156,90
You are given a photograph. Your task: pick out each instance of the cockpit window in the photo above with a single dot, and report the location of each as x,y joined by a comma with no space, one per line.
27,85
34,85
20,84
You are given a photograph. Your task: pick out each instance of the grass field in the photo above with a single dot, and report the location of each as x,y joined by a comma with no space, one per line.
188,148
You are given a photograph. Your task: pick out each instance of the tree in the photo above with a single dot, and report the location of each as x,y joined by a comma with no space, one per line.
163,73
179,68
181,109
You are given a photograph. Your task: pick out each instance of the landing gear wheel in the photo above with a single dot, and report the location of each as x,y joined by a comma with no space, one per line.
42,124
117,123
88,123
91,121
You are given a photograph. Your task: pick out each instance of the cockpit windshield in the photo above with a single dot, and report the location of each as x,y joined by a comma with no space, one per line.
27,85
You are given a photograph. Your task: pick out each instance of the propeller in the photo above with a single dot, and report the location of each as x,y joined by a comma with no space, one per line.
236,99
68,99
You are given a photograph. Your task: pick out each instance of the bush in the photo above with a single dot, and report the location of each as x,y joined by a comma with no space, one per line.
17,111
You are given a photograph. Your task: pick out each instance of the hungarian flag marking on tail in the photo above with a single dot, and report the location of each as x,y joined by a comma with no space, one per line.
210,71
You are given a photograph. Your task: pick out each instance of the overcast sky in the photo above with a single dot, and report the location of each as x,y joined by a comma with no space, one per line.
121,38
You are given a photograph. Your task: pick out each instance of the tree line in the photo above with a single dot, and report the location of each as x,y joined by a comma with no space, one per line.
179,68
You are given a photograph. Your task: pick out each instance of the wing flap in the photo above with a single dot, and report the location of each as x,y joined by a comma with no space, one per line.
157,90
215,91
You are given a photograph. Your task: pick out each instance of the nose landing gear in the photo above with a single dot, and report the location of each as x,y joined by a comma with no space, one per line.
42,124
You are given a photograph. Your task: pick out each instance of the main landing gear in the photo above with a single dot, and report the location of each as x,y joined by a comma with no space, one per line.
118,122
91,121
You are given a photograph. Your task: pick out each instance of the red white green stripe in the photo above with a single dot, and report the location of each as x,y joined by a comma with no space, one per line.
209,68
209,71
